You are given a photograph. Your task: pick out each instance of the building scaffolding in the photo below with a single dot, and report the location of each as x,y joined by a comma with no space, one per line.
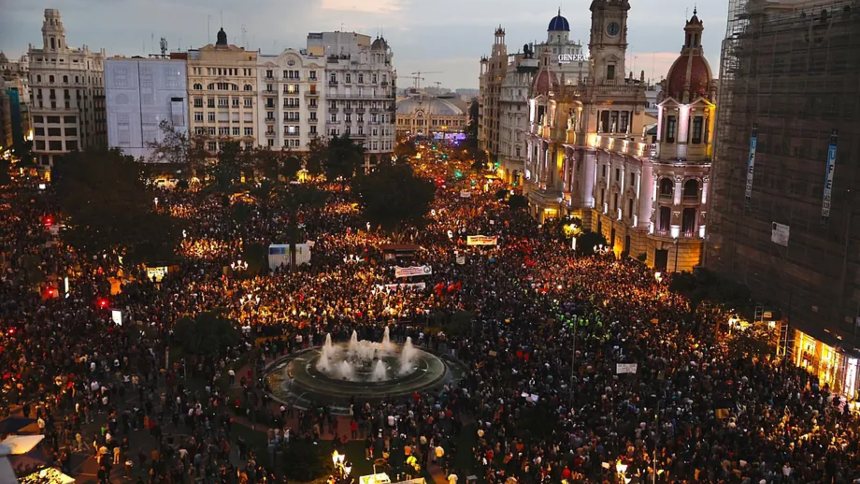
789,88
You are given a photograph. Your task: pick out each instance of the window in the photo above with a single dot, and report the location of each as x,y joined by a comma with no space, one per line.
618,174
632,179
51,79
210,102
332,78
348,78
630,208
249,131
65,78
688,222
665,219
691,189
198,102
249,87
70,119
55,145
198,86
212,117
671,123
269,75
235,102
223,102
198,116
360,78
312,75
666,187
698,121
212,131
333,118
224,131
624,123
53,119
236,131
249,103
610,72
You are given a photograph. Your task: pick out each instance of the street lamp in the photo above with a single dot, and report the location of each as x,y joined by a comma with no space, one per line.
239,265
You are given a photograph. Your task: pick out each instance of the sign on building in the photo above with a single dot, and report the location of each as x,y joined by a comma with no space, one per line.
751,163
779,234
828,175
621,368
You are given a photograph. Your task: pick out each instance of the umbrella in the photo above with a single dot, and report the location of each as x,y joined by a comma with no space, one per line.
13,424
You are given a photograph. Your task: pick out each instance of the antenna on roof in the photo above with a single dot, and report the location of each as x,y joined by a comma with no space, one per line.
222,18
208,29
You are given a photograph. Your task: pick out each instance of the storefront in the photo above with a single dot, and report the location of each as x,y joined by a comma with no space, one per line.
833,367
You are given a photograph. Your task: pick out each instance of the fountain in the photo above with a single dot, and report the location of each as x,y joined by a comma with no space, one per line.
336,374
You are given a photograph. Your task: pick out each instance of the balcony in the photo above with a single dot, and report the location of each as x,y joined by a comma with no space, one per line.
332,83
313,120
312,94
270,92
347,110
270,134
359,111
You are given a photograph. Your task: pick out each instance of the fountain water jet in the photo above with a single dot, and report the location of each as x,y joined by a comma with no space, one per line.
407,356
380,373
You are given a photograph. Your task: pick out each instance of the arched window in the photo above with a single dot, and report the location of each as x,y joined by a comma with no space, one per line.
665,221
667,187
198,86
249,87
65,78
691,189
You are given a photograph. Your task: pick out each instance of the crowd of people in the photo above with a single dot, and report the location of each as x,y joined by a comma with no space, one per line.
540,400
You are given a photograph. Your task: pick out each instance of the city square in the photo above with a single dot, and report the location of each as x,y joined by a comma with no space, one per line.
219,265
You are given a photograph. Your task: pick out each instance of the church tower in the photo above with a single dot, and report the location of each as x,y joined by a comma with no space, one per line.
53,33
608,41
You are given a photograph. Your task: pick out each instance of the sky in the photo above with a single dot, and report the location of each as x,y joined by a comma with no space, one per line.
443,38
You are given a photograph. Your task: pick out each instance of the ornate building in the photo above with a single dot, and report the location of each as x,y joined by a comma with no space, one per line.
360,90
506,81
425,115
292,100
67,94
222,93
588,154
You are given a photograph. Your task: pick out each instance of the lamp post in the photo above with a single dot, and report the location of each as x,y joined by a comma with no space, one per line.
675,241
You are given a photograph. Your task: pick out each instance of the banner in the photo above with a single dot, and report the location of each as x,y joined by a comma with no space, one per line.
156,274
751,163
404,285
625,368
828,175
461,260
779,234
412,271
465,194
481,240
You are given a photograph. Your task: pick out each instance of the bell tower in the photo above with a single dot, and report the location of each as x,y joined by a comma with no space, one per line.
608,41
53,33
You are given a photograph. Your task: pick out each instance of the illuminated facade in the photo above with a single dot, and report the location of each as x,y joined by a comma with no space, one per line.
427,115
589,155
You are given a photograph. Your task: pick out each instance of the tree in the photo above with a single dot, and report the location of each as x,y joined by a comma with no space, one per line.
405,148
177,148
207,334
292,165
317,152
586,242
228,169
109,207
4,172
518,202
343,157
393,194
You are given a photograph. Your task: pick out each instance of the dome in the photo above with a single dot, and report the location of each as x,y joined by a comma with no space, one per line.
544,82
558,23
690,75
429,105
379,44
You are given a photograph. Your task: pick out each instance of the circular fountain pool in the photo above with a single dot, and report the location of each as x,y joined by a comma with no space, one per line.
336,373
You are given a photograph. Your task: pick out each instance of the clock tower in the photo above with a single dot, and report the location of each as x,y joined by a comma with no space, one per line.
608,42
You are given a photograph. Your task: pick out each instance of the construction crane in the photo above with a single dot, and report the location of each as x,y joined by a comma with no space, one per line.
416,81
417,77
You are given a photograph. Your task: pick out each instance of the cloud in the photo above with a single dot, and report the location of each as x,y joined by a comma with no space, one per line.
368,6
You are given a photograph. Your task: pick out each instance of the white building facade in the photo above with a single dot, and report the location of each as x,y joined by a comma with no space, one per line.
67,94
291,99
140,94
360,90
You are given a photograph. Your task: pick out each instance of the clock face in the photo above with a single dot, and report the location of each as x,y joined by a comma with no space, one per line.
613,28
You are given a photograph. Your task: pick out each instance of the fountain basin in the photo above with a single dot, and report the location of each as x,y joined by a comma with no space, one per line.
296,379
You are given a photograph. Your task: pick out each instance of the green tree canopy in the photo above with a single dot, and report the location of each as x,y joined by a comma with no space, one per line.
207,334
586,242
109,207
227,170
518,202
393,194
343,157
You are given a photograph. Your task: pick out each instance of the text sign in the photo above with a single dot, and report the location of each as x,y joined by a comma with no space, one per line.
779,234
412,271
481,240
828,176
621,368
751,164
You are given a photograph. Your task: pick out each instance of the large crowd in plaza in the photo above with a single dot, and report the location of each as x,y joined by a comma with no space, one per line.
536,411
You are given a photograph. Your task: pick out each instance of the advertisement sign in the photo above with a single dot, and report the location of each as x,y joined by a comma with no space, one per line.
412,271
481,240
779,234
828,176
751,163
625,368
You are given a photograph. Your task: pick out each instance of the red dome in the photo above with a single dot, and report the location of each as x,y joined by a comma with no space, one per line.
691,74
545,81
